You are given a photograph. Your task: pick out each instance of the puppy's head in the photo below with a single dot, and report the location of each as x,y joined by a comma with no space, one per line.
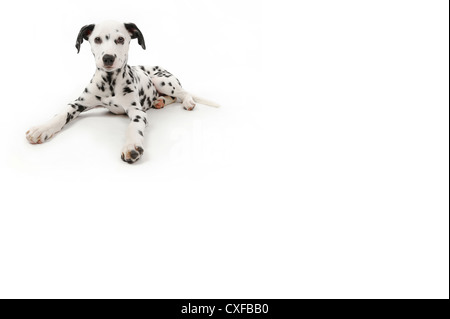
110,42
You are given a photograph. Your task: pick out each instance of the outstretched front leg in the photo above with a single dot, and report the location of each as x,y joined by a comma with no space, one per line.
87,101
134,145
44,132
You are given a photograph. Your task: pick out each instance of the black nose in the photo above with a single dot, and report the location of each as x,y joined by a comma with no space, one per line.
108,59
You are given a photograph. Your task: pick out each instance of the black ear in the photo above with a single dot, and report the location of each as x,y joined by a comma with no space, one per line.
85,32
135,33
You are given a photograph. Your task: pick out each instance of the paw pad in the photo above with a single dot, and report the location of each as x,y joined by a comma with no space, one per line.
132,153
160,103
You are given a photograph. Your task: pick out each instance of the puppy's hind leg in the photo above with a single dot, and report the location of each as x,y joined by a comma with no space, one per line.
164,100
170,86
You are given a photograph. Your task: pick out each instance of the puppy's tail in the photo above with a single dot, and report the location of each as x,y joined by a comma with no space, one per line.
204,101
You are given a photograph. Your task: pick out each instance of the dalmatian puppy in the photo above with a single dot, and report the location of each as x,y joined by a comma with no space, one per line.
120,88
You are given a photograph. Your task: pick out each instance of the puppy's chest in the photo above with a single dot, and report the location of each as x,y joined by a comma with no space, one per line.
135,90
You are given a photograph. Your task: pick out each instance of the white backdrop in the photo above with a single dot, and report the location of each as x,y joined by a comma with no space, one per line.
324,174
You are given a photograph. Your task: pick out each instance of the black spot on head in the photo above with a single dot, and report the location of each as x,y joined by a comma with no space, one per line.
98,97
140,133
134,103
107,37
86,90
162,83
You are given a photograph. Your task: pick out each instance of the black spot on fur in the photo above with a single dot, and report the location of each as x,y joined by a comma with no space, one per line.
98,97
134,154
101,87
80,108
134,103
69,117
140,133
127,90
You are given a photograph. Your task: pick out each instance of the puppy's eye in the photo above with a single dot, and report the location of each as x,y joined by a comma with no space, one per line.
98,40
120,40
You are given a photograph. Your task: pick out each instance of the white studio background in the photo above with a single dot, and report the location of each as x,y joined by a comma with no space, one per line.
323,175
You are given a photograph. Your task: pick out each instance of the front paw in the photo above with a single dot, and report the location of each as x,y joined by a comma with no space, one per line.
40,134
132,152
